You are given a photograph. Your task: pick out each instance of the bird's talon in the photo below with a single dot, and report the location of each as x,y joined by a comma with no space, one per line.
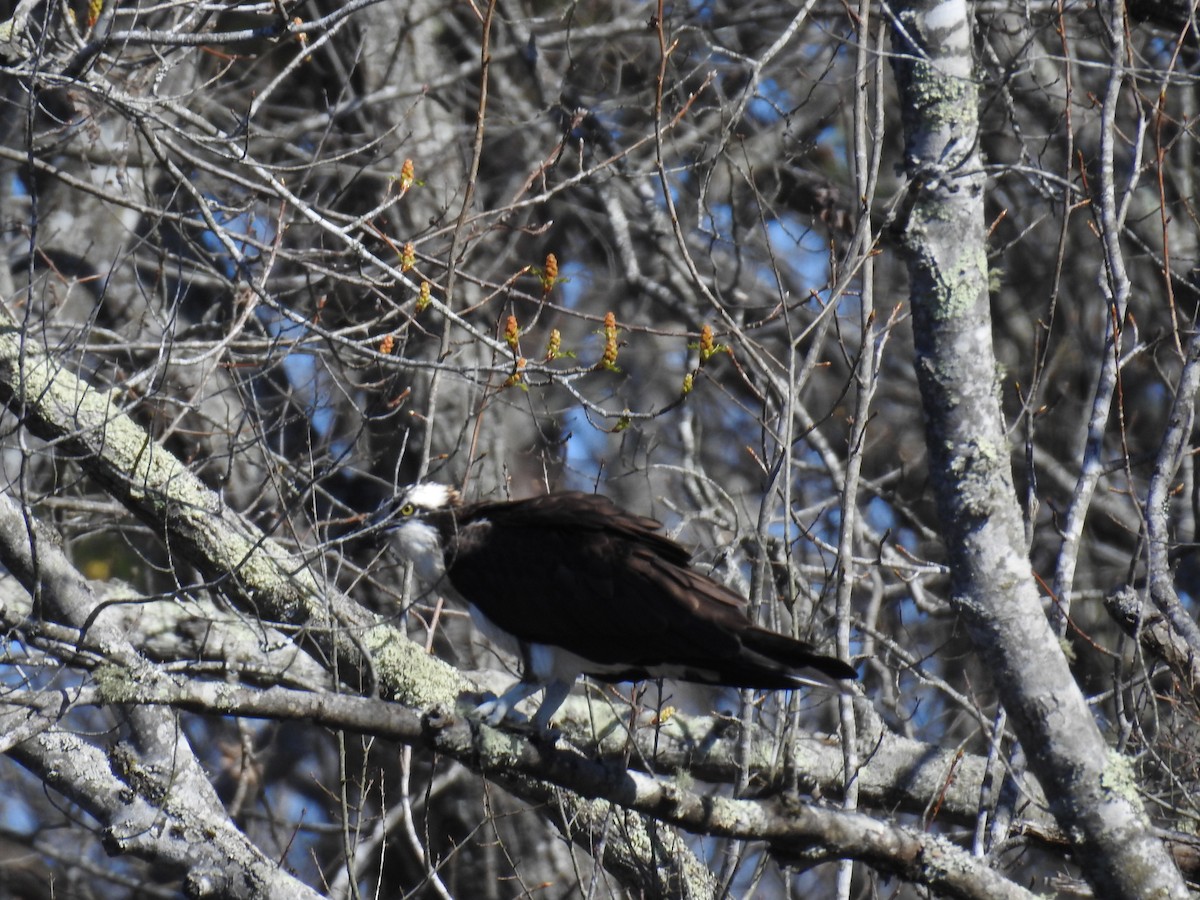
550,735
491,712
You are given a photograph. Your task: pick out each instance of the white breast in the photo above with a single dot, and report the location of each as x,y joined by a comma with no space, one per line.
420,544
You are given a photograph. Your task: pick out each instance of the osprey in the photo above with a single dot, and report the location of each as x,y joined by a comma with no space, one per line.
573,585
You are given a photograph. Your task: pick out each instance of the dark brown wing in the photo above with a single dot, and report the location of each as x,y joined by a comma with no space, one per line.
585,513
607,586
762,655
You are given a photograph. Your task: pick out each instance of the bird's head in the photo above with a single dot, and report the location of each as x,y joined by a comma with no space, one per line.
406,517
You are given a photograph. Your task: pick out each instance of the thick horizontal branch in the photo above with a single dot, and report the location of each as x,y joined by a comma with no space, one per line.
897,774
790,828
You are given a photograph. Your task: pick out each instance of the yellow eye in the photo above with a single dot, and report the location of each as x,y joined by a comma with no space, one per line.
407,509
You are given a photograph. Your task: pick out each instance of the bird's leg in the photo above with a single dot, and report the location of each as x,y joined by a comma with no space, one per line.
556,693
493,712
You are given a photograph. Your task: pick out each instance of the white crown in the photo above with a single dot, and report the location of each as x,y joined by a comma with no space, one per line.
430,495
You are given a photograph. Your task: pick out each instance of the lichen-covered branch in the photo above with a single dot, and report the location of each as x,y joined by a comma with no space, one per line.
791,828
994,590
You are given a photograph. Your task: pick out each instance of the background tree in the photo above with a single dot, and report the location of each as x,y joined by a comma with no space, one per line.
267,260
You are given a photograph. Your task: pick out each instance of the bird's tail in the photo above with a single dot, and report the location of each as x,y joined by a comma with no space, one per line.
796,654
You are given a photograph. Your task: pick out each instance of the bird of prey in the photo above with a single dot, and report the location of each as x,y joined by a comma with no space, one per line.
573,585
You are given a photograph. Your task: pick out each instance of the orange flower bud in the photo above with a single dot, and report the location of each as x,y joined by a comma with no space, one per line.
549,273
511,333
609,360
515,377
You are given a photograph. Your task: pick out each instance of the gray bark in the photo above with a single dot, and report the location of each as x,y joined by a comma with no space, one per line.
1087,783
150,795
798,833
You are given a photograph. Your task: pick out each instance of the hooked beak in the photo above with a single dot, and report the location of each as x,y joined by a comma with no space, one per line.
380,522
